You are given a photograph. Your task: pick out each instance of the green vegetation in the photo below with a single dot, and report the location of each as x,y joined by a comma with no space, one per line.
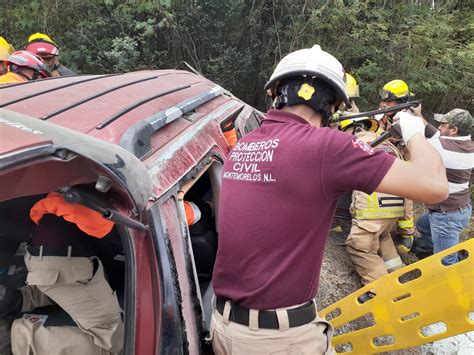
237,43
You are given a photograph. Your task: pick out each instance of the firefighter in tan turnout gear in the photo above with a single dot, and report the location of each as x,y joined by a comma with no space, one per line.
393,93
369,244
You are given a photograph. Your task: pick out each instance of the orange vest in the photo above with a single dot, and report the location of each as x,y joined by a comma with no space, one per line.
230,134
11,78
87,220
192,211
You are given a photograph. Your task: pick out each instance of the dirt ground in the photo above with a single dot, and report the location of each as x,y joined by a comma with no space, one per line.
338,279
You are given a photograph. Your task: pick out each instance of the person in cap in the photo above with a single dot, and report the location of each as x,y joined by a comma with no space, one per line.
43,46
280,186
23,66
369,244
6,49
443,222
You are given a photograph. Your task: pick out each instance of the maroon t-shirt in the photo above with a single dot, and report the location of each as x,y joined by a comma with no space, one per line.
279,192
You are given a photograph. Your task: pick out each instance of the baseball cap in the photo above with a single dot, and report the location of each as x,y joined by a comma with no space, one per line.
462,119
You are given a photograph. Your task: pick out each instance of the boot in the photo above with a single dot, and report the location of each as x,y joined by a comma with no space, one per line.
11,300
404,243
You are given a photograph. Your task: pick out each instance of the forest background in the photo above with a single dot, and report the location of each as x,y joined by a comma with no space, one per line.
237,43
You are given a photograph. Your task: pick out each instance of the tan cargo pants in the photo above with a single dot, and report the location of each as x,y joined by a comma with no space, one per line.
34,338
371,248
86,296
233,338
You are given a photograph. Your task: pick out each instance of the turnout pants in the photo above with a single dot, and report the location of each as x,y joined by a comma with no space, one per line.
405,224
229,337
86,296
371,248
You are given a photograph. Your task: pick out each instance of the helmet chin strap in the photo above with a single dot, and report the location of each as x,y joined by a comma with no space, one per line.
281,99
326,112
53,66
17,70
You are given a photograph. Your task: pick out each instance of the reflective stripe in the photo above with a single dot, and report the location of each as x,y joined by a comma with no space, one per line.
393,263
391,201
406,223
376,213
369,201
377,206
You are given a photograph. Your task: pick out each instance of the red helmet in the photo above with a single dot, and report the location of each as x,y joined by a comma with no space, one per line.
27,59
42,48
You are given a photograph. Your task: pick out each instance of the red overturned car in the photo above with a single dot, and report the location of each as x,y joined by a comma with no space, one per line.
133,147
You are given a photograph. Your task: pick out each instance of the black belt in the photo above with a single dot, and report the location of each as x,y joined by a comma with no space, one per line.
268,319
48,251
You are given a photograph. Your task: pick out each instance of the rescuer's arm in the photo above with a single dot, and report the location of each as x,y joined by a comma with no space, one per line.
424,178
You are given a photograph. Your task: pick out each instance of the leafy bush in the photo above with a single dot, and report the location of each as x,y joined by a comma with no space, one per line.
237,43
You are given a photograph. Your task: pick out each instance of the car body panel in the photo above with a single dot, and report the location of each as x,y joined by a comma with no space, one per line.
86,116
125,168
12,132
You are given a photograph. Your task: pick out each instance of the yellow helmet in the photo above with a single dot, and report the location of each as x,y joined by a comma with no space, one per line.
352,89
38,36
396,90
5,49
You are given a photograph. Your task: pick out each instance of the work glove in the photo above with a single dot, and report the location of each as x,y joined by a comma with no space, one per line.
404,243
410,125
416,111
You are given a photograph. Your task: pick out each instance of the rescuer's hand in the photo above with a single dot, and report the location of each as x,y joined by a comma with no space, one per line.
417,111
410,125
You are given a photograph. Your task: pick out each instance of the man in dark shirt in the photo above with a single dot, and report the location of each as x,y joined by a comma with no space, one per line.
279,192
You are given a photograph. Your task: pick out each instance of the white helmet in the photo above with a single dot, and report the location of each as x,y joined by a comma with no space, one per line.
312,62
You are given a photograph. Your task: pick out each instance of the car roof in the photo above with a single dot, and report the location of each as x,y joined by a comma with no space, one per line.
106,106
26,138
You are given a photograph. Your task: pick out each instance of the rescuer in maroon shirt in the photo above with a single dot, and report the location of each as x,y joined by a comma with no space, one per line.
280,186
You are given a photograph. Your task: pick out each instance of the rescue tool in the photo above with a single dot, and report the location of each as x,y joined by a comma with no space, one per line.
396,108
393,131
